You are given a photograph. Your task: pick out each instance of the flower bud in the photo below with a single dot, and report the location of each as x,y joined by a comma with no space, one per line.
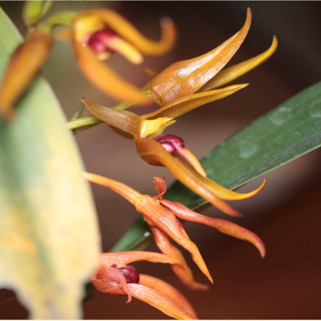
23,66
33,11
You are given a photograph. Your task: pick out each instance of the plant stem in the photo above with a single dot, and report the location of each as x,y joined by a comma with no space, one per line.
86,122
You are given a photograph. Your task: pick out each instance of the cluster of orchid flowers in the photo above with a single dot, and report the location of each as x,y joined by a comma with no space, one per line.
180,88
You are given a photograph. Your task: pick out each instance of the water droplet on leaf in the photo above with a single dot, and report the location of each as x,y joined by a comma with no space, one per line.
280,116
315,109
247,149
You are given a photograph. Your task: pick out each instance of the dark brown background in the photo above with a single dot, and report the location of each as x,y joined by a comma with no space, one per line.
286,215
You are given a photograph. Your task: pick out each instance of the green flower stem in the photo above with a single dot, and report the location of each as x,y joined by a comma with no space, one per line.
90,121
86,122
63,18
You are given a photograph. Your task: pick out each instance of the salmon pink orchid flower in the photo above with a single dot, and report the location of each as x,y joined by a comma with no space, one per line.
116,275
162,217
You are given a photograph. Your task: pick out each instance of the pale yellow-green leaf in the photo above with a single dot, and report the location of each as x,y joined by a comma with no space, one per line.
49,241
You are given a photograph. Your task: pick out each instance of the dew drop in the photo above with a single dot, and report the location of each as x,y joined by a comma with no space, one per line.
315,110
247,149
280,116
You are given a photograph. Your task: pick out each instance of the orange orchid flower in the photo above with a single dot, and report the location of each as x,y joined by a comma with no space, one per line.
116,275
161,216
95,35
186,169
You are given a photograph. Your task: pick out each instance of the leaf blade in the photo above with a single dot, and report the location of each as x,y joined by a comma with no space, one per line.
287,132
49,242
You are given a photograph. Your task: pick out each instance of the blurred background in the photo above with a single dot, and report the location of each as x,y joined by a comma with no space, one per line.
286,284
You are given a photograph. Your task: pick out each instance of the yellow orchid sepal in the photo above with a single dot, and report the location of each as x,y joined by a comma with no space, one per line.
127,31
229,74
104,78
185,104
184,78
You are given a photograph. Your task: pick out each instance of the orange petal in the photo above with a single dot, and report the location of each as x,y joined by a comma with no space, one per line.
168,291
23,66
157,216
192,160
229,74
185,104
153,152
105,79
223,226
182,270
125,49
186,77
156,300
220,191
125,191
125,258
127,31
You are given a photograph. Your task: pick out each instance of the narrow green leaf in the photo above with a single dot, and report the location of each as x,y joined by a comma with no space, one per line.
49,241
285,133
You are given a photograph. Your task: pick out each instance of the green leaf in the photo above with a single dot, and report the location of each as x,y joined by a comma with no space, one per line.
285,133
49,241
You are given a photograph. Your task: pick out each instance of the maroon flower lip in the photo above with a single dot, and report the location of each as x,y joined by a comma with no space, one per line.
171,143
129,272
98,41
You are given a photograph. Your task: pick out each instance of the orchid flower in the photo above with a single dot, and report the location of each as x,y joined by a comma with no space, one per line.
161,216
116,275
187,169
99,33
95,36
